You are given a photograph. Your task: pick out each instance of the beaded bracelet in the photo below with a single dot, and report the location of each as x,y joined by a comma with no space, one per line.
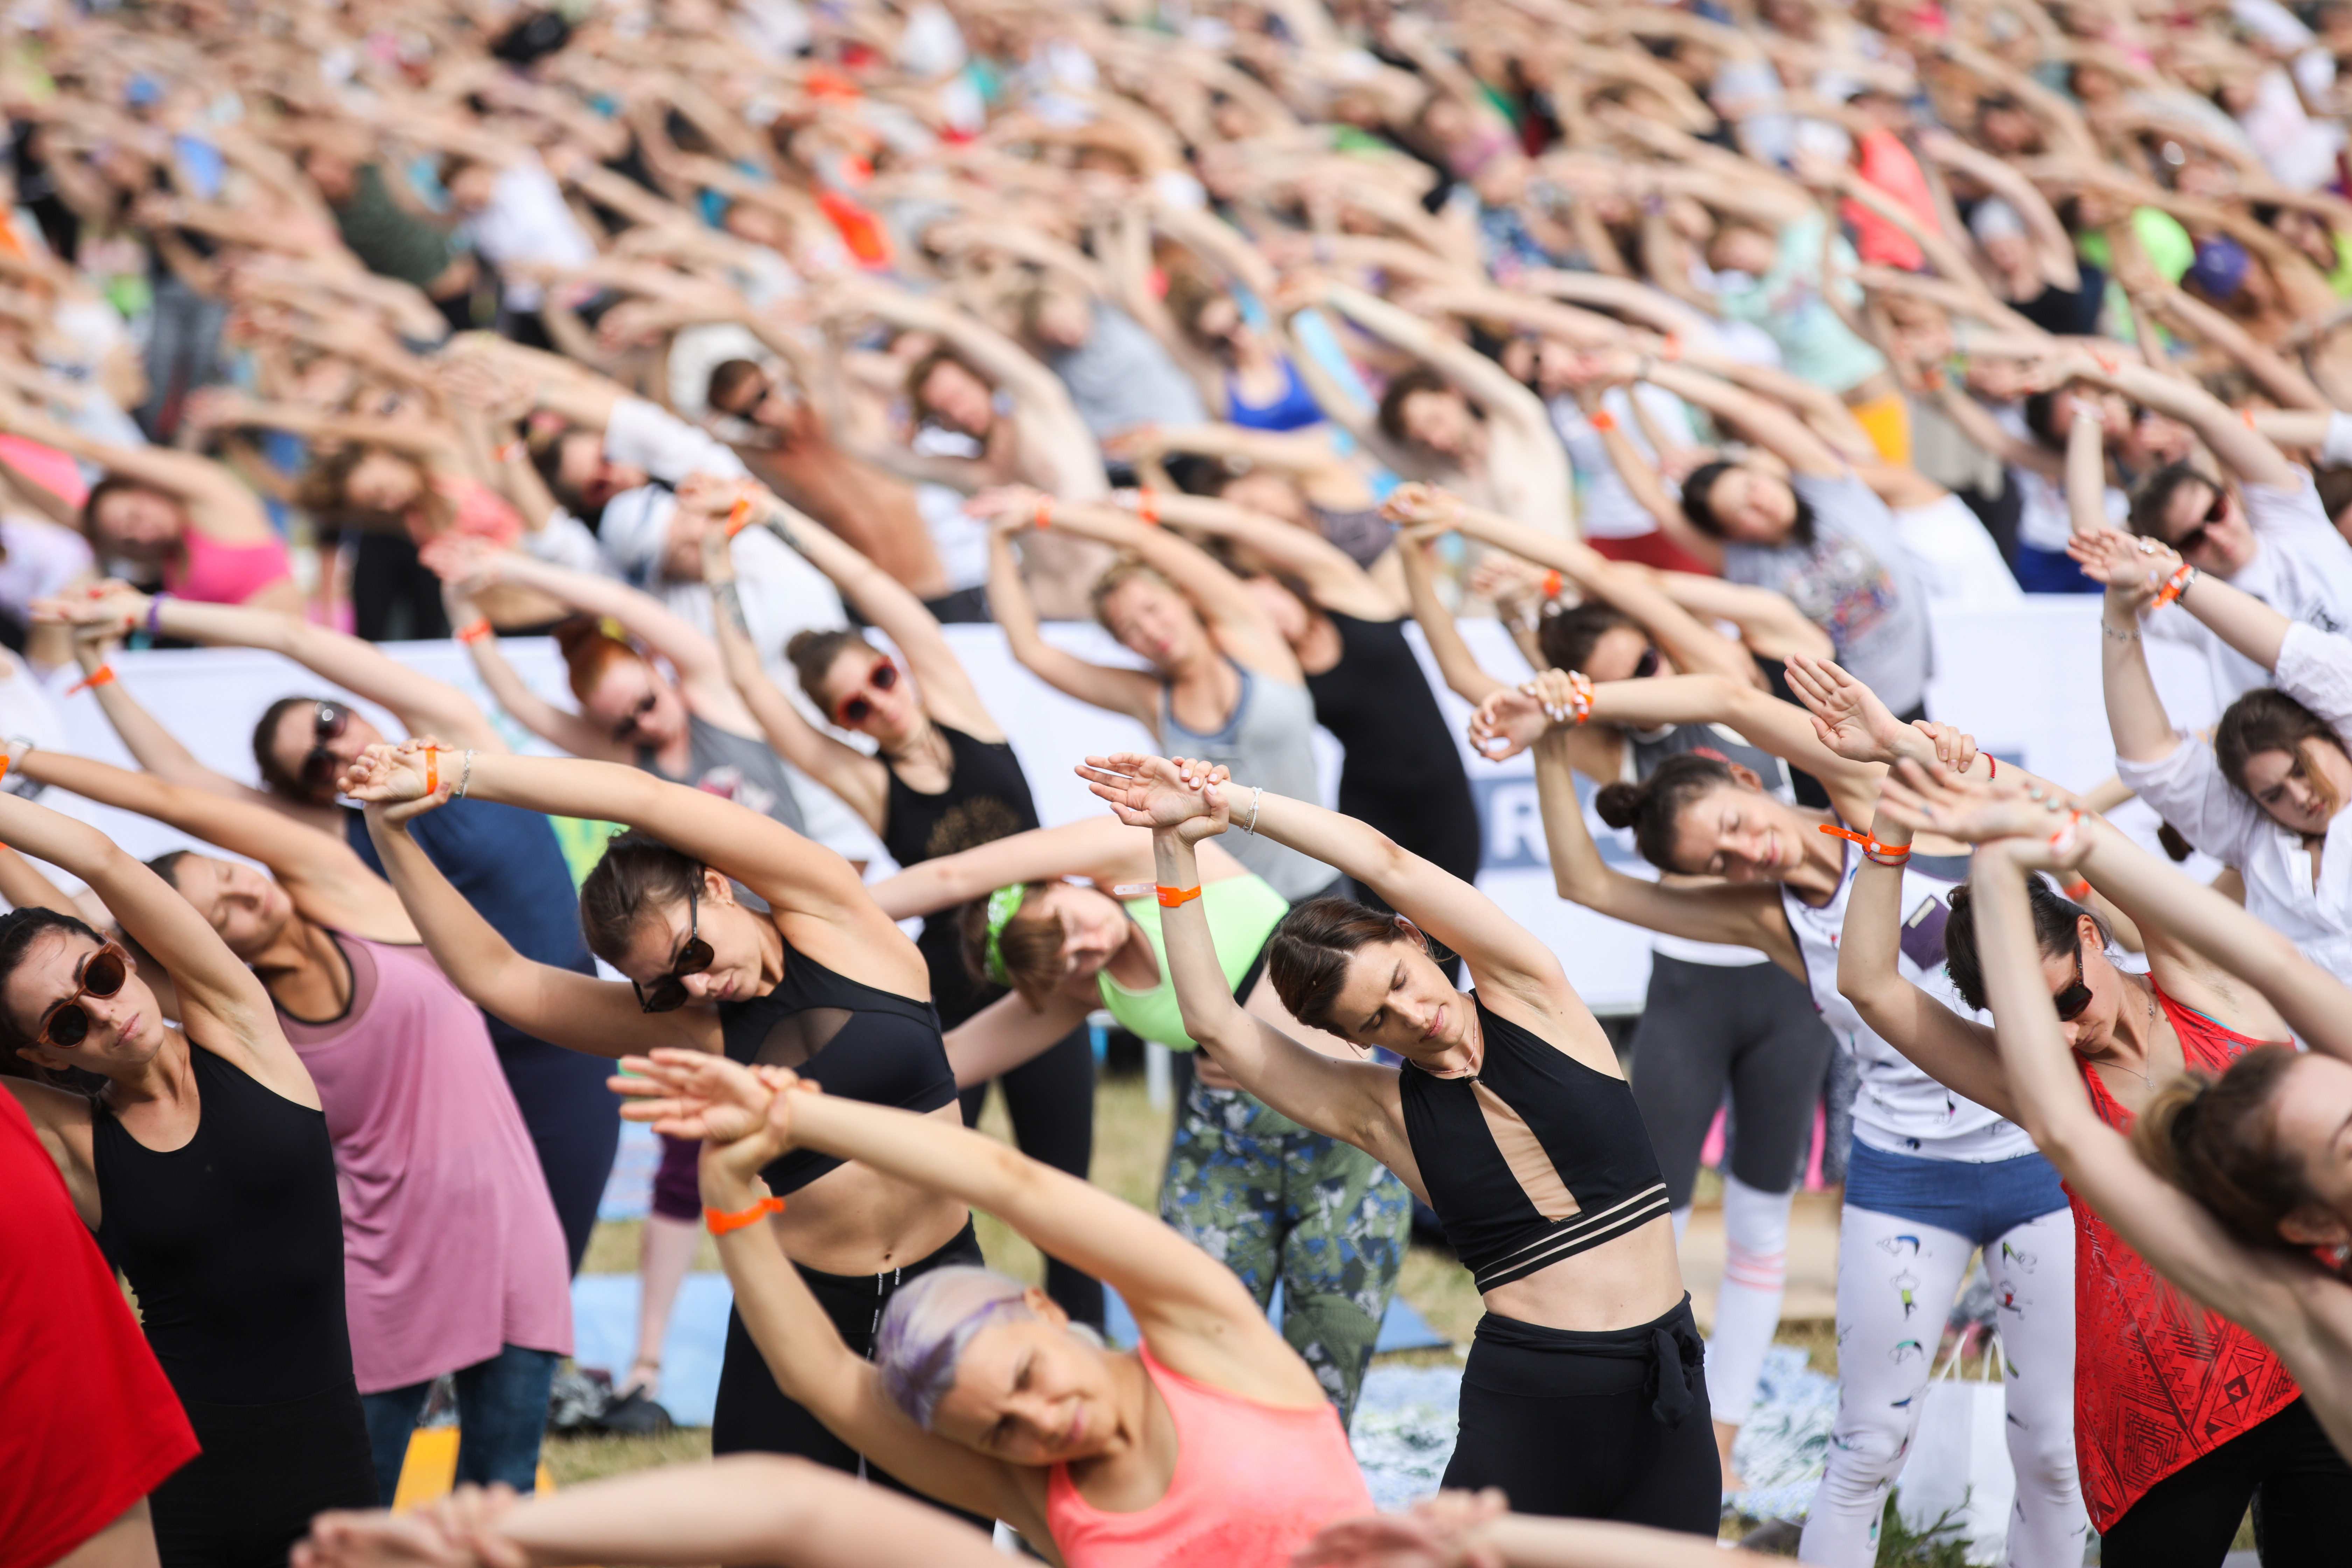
1580,694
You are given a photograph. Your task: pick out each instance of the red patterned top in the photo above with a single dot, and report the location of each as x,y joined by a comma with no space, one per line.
2159,1381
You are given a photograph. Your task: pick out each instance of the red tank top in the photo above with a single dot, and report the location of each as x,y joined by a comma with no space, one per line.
2159,1381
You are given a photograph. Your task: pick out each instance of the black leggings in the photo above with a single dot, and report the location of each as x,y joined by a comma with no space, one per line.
753,1415
1753,1027
1052,1101
265,1470
1591,1426
2299,1485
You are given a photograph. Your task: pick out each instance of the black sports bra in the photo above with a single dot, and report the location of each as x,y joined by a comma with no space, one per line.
1535,1158
859,1042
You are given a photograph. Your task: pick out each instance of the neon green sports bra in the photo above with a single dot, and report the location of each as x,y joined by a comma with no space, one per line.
1243,912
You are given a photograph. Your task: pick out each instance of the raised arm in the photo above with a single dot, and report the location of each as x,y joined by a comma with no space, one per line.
320,868
1482,380
1129,691
1772,427
214,986
1331,576
217,504
2243,450
1741,916
1460,667
2143,732
814,895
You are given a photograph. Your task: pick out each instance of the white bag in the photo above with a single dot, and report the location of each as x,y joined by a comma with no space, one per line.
1959,1461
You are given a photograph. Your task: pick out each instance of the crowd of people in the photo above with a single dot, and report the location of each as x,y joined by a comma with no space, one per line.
741,347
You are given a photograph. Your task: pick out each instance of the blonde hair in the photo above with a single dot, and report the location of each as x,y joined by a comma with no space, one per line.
1119,574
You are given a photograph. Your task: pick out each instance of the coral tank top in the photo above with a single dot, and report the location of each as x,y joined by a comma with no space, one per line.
1252,1484
2159,1381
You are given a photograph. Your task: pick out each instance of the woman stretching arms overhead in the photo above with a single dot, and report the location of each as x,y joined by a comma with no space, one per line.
1212,1442
821,980
2249,1180
1583,1394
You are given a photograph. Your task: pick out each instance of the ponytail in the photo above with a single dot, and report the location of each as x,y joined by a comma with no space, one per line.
1652,807
2217,1139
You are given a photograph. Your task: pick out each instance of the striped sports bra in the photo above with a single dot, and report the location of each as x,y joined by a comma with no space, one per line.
1535,1158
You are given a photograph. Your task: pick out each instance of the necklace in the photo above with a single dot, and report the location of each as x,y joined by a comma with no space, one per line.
2150,1000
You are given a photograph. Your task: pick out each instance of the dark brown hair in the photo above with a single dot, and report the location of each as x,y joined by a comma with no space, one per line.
2149,502
728,377
1569,637
112,485
274,774
637,877
1652,807
19,930
1030,944
1307,956
2217,1139
920,376
2056,924
590,649
1419,379
2266,719
814,649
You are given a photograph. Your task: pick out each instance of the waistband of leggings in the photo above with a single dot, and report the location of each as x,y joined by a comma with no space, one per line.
325,1403
1496,1329
964,1248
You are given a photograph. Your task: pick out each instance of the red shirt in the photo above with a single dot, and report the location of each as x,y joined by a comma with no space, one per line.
1885,163
92,1426
2158,1380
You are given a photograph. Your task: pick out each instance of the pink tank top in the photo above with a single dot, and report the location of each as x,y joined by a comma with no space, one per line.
211,573
451,1246
1252,1484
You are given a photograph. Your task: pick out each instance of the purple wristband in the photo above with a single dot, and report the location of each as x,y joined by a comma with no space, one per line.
154,609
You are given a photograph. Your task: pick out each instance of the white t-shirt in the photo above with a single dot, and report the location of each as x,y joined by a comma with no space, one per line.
526,220
1605,505
2301,569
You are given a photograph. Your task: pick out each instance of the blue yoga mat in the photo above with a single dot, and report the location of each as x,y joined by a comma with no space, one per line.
604,1334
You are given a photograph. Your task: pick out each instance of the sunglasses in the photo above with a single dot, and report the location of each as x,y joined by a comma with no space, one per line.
320,764
102,975
2197,536
857,707
2071,1002
628,726
1647,666
669,993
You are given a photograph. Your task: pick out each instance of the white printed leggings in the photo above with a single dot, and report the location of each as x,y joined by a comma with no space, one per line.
1896,1279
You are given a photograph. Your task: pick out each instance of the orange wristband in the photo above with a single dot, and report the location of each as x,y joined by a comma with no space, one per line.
1171,897
432,770
1872,850
511,451
1552,582
476,632
103,676
719,1222
1602,420
1044,519
1147,507
739,516
1671,350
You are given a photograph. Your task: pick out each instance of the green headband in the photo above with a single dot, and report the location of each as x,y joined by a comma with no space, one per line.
1003,905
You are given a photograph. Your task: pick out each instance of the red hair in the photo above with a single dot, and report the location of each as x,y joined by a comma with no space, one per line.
591,645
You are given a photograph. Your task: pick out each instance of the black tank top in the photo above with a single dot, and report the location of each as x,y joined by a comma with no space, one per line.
234,1242
860,1043
987,798
1536,1158
1403,773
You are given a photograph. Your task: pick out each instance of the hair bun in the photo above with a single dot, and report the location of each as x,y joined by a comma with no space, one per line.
1620,804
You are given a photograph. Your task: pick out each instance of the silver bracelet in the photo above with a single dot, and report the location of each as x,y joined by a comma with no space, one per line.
1256,798
464,778
2114,636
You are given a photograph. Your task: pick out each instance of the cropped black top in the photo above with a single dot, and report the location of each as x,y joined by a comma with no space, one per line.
1535,1158
859,1042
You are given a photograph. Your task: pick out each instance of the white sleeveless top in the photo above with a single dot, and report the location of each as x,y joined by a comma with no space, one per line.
1898,1110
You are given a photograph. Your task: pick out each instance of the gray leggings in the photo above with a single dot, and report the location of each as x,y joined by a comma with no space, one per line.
1752,1028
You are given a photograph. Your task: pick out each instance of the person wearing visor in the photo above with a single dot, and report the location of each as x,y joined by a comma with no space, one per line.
509,863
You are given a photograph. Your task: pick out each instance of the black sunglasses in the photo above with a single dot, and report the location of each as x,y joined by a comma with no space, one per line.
669,993
320,764
102,975
2211,520
2071,1002
1647,664
628,726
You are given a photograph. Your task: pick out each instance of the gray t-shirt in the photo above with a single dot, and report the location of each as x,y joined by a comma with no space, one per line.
733,767
1120,377
1857,581
1268,742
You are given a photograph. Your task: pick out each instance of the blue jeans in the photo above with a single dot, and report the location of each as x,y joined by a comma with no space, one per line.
501,1414
1979,1202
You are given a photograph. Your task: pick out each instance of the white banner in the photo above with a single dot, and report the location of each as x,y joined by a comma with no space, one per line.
2024,681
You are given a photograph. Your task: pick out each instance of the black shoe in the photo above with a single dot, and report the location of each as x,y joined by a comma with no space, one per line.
634,1416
